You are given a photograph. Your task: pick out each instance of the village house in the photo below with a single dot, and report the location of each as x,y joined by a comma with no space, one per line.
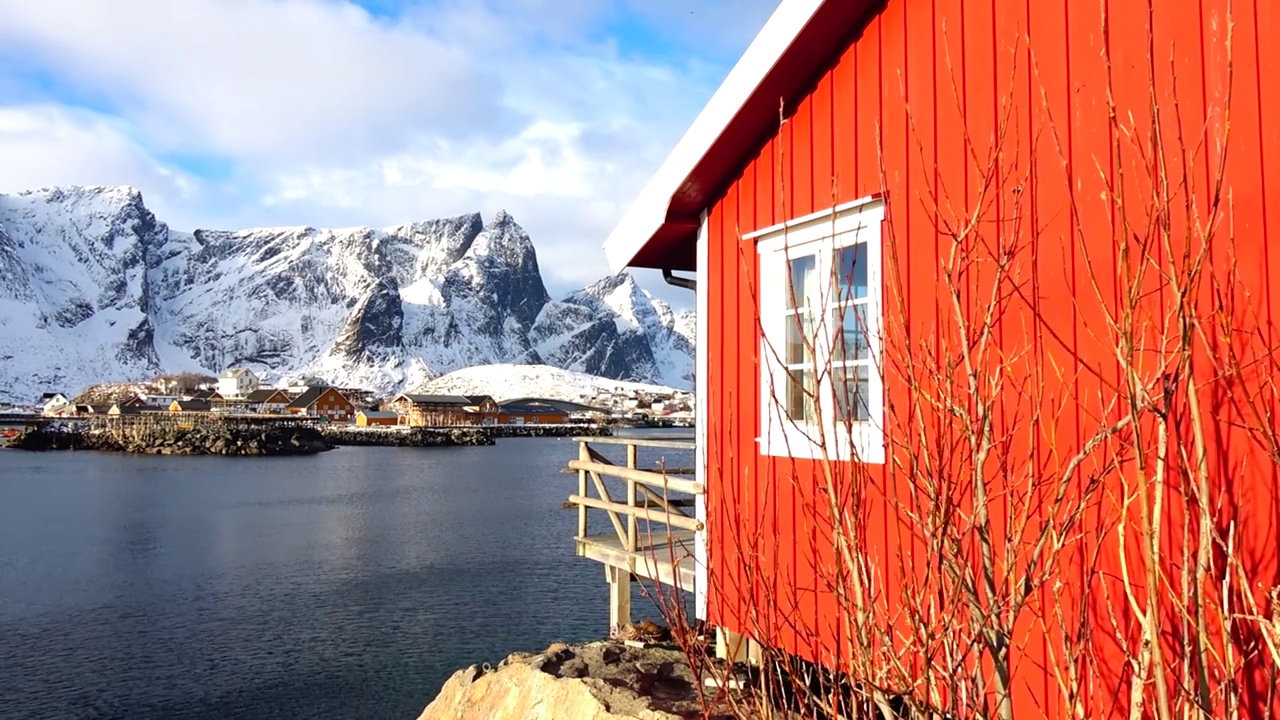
323,402
267,401
483,409
210,396
360,397
189,406
371,418
532,412
237,382
423,410
297,386
155,399
977,338
54,403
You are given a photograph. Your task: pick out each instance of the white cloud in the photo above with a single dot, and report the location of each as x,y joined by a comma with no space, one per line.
325,115
256,79
46,145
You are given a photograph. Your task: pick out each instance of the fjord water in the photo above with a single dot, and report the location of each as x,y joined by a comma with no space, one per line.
343,585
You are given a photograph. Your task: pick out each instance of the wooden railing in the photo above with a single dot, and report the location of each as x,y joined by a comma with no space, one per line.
663,549
654,485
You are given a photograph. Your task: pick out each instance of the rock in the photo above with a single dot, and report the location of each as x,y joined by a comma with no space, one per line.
589,681
212,439
519,692
408,437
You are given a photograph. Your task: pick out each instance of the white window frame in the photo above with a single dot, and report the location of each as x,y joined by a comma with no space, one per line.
820,234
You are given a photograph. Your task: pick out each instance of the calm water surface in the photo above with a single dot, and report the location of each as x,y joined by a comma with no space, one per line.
344,585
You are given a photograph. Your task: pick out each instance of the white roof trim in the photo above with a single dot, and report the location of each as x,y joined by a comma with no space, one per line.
649,211
819,215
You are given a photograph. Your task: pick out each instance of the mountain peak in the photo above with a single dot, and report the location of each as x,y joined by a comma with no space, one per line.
89,275
501,218
615,290
116,194
504,237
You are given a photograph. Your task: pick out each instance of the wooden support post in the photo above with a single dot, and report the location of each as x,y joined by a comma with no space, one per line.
631,501
619,597
584,453
737,648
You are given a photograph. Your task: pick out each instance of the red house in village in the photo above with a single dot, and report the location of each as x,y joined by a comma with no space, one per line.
987,349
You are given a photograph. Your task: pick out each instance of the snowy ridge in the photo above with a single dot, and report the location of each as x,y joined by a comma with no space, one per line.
510,382
94,288
617,329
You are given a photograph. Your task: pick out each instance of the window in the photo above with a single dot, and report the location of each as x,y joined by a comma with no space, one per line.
820,312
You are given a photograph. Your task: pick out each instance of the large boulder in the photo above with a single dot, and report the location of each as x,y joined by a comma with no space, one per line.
597,681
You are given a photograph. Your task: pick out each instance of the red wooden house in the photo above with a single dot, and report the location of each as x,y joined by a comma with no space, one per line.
986,356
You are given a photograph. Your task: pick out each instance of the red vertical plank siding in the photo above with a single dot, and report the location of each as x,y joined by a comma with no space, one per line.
844,117
911,109
726,563
801,160
822,156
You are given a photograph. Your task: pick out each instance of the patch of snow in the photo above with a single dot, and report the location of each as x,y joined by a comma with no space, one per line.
510,382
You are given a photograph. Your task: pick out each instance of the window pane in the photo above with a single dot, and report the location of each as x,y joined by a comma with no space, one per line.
800,280
800,396
853,393
799,340
851,325
851,271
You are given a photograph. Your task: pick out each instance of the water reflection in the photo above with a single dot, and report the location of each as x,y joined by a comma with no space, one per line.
345,585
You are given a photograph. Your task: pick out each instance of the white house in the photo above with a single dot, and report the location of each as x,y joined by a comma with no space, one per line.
53,403
237,382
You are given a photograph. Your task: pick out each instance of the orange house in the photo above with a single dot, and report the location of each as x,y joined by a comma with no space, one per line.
986,350
367,418
323,402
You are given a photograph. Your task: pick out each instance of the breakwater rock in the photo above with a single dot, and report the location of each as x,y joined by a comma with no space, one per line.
205,439
407,437
510,431
593,681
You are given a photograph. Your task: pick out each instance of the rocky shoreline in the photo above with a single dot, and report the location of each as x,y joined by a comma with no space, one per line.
512,431
605,680
407,437
216,438
452,437
205,439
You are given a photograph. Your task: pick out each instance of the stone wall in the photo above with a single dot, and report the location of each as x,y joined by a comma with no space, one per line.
204,439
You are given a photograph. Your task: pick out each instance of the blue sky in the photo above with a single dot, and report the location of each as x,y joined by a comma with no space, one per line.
243,113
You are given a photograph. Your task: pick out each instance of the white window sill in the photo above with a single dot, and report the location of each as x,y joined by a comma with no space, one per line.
858,444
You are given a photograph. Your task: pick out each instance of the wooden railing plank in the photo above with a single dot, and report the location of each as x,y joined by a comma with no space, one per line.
683,442
583,454
651,479
677,521
631,500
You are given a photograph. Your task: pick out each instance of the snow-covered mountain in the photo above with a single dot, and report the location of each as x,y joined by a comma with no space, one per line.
510,382
616,329
93,287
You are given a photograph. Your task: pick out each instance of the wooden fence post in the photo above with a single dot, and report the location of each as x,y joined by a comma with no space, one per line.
584,454
631,500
